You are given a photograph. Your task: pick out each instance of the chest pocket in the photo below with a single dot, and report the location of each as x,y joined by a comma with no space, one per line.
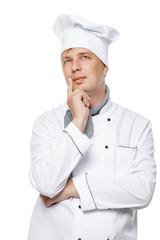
124,159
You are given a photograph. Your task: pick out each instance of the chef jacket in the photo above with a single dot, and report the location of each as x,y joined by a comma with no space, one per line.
114,173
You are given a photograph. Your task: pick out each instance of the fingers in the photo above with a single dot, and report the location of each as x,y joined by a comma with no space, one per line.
46,200
74,95
70,88
85,99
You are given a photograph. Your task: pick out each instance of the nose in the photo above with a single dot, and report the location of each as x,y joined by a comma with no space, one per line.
76,66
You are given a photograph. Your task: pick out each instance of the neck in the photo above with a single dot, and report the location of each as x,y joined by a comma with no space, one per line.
98,96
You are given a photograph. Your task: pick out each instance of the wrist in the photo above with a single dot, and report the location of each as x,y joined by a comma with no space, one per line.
80,123
71,190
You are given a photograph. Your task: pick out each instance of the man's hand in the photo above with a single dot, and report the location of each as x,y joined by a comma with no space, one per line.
68,191
78,102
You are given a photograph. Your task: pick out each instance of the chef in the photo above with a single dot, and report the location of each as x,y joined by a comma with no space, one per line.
92,160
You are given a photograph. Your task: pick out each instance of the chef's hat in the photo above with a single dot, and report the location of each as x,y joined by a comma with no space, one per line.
74,31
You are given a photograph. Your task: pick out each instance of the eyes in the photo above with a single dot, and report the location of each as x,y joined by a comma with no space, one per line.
84,57
69,60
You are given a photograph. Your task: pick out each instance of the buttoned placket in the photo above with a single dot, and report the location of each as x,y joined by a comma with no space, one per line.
78,209
77,222
108,119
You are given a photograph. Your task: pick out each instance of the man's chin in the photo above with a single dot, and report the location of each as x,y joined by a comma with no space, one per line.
79,86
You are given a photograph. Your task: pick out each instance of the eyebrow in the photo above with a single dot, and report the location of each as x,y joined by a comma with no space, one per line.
66,57
81,53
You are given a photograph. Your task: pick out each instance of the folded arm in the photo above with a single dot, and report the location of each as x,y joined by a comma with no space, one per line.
68,191
53,157
132,190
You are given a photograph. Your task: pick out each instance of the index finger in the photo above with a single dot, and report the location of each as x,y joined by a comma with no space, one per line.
70,87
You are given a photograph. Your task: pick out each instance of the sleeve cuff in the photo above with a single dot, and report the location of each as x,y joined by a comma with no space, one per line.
81,141
84,192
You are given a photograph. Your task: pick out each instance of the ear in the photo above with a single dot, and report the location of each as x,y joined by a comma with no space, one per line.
105,70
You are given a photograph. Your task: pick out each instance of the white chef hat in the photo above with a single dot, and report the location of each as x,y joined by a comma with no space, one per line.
74,31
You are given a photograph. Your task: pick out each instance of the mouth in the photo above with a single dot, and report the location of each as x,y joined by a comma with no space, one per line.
79,79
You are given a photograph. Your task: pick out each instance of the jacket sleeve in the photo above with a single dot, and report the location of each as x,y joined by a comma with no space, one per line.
54,154
131,190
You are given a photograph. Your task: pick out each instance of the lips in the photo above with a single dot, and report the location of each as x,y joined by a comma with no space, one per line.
78,79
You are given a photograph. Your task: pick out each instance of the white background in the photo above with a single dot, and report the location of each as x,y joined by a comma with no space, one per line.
31,82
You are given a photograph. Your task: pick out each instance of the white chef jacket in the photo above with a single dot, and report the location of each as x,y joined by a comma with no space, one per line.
114,173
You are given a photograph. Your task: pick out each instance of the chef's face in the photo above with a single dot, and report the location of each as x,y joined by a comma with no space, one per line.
85,69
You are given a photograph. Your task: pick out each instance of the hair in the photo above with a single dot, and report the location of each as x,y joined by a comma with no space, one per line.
69,49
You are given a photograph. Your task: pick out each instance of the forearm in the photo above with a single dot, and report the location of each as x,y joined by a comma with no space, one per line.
80,123
66,193
131,186
46,172
70,189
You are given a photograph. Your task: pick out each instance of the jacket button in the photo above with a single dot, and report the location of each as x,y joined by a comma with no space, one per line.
106,146
79,206
79,238
108,119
